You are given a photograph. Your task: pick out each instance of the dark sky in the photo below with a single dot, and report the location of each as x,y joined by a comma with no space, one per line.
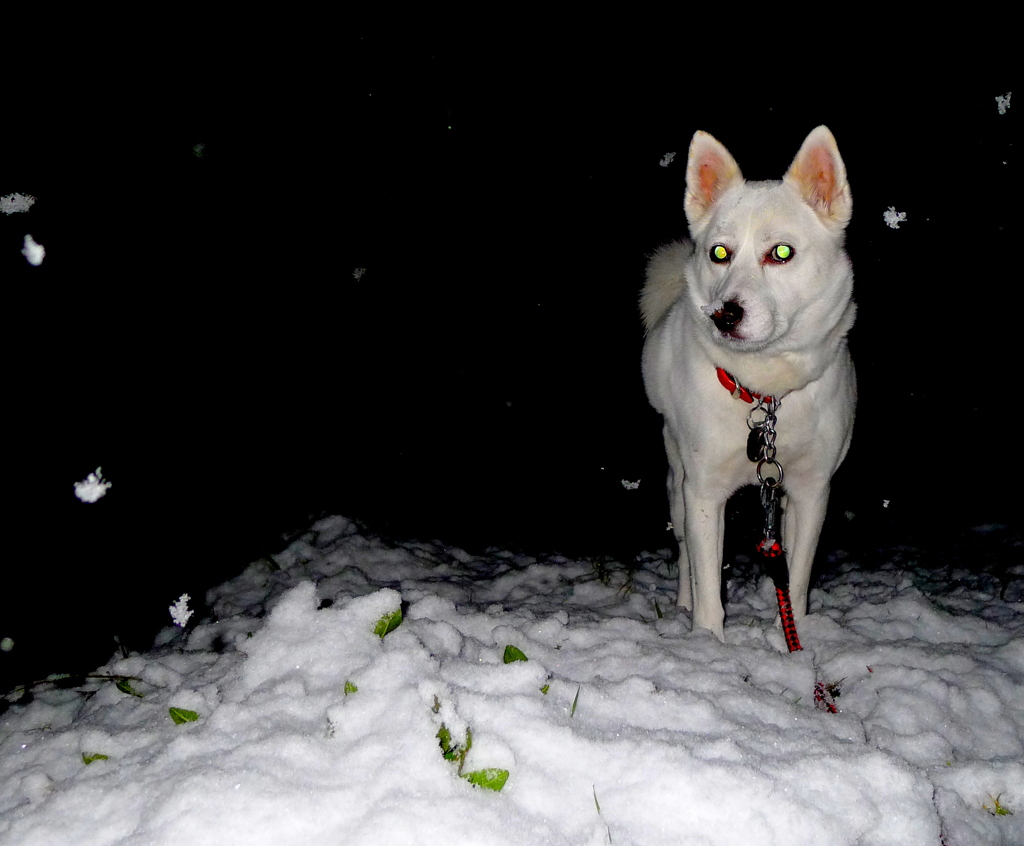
197,330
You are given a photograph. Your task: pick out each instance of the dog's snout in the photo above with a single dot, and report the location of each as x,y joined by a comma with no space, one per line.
727,318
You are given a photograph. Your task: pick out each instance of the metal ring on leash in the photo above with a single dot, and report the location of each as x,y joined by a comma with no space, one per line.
758,409
769,481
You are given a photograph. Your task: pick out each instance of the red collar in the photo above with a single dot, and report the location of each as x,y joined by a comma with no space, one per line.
736,389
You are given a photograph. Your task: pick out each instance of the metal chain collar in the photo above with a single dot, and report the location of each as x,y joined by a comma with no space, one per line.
761,420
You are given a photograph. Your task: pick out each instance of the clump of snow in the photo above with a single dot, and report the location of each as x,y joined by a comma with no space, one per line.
34,253
666,160
180,612
92,487
711,308
14,203
1003,102
621,726
893,218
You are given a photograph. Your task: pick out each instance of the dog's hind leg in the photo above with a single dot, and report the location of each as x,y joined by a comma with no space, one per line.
677,509
803,513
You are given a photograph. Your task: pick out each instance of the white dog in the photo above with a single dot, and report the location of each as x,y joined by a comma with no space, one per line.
760,302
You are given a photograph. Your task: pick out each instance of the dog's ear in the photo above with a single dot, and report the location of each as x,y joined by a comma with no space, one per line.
819,176
710,171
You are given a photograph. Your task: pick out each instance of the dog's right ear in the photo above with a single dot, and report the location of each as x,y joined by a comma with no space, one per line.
710,171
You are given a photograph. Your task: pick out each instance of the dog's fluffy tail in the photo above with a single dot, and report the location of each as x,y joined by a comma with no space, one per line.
666,280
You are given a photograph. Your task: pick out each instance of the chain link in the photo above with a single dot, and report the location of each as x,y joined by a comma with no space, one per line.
762,418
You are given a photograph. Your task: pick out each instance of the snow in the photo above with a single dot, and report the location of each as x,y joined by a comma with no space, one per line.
313,729
15,203
180,612
34,253
893,218
93,487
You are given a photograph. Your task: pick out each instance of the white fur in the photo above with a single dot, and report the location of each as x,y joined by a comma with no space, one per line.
790,342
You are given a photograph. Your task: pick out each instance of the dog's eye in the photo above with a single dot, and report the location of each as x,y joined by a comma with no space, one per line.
781,253
720,254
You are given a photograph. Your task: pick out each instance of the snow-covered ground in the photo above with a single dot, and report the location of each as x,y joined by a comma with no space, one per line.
622,727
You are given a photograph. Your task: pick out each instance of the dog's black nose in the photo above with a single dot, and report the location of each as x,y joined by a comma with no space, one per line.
727,318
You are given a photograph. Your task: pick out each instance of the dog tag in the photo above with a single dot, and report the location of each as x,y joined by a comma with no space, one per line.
755,440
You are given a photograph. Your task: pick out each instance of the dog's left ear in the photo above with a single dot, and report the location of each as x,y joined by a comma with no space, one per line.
819,176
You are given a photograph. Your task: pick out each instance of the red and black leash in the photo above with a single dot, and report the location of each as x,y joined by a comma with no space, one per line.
777,568
761,449
824,695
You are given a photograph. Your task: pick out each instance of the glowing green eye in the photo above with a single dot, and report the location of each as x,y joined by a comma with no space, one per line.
719,253
782,252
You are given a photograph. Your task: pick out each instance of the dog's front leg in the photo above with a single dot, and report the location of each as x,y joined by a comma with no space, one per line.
803,513
698,520
705,528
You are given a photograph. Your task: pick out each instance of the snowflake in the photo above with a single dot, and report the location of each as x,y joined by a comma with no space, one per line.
16,203
358,272
630,486
92,487
894,218
666,160
33,252
1003,102
180,612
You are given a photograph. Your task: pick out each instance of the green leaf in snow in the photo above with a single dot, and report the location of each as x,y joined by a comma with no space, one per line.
88,759
125,686
491,778
513,654
181,715
388,623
